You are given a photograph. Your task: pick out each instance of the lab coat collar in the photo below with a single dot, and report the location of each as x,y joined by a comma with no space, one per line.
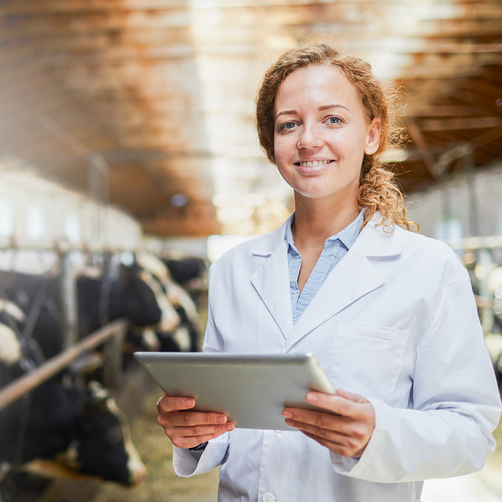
350,280
271,280
271,241
373,240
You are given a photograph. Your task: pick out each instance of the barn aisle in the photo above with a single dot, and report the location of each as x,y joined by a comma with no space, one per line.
485,486
161,484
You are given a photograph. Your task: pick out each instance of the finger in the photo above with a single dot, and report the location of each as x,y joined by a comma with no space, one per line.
336,428
170,403
335,404
191,442
356,398
320,418
359,424
329,434
193,418
198,430
339,448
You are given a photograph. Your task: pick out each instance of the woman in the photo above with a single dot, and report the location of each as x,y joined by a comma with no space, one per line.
389,314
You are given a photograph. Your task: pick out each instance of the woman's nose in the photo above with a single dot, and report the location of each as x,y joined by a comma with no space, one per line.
309,137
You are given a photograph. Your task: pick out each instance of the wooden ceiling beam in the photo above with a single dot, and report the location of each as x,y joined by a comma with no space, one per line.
486,88
20,7
15,52
124,35
223,50
39,141
471,96
440,72
419,140
178,39
198,218
485,19
18,88
34,106
441,111
35,151
460,123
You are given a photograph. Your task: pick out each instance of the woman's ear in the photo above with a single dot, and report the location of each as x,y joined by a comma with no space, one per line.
372,137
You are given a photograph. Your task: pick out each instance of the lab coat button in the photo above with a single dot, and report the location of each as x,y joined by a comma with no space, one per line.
268,497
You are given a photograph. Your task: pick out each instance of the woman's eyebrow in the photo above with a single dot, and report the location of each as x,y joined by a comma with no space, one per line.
327,107
286,112
321,108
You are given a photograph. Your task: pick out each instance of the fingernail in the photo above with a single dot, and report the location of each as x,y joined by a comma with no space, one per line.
221,419
188,403
311,397
287,414
229,427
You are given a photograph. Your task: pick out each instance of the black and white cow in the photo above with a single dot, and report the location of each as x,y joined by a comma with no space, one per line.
78,425
186,269
186,334
127,292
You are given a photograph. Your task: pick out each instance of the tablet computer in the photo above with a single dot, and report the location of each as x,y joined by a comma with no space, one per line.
252,390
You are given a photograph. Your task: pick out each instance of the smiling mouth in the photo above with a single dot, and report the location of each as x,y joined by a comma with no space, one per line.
316,163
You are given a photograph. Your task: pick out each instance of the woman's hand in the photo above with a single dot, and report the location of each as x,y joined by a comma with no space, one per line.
186,428
348,433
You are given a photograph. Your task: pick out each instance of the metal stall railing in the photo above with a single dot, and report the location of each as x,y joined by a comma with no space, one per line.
17,389
111,335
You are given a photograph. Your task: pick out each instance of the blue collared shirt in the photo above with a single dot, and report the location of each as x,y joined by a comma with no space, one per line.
335,248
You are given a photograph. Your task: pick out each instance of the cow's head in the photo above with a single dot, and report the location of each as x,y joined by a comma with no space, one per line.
104,447
144,299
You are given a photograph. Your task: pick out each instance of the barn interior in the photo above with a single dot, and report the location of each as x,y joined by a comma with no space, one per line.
157,97
146,108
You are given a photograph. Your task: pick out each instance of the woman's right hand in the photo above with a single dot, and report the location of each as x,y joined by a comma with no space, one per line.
187,428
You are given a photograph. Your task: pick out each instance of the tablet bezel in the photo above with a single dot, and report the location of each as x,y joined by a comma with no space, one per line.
251,389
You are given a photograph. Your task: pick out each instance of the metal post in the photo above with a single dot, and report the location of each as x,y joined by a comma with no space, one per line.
487,265
473,203
112,366
98,173
68,302
446,208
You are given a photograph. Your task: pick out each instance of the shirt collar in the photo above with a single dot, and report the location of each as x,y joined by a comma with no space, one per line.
347,236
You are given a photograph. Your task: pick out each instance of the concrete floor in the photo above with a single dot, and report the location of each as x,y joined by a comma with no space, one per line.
483,486
163,485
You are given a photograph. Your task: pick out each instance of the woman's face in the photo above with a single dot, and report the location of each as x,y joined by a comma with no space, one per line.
322,133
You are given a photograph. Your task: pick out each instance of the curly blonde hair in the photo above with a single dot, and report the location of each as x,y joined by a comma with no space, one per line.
377,189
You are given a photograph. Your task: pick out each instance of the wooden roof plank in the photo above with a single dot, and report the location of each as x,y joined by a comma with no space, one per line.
460,123
484,18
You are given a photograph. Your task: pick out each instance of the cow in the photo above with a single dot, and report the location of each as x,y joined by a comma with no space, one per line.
186,334
66,420
186,269
120,291
498,369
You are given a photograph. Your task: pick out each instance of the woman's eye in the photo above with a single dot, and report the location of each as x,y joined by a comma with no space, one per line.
334,120
287,125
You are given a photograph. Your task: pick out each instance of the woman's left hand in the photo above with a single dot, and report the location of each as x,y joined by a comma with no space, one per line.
347,433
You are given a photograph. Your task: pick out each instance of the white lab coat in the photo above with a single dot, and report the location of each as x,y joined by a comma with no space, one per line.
396,322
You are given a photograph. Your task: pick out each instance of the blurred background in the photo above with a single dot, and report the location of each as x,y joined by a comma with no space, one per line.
128,152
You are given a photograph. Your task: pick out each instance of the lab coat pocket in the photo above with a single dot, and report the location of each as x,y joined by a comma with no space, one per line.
367,358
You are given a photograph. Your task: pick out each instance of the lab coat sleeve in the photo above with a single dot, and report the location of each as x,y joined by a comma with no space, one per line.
189,463
456,403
